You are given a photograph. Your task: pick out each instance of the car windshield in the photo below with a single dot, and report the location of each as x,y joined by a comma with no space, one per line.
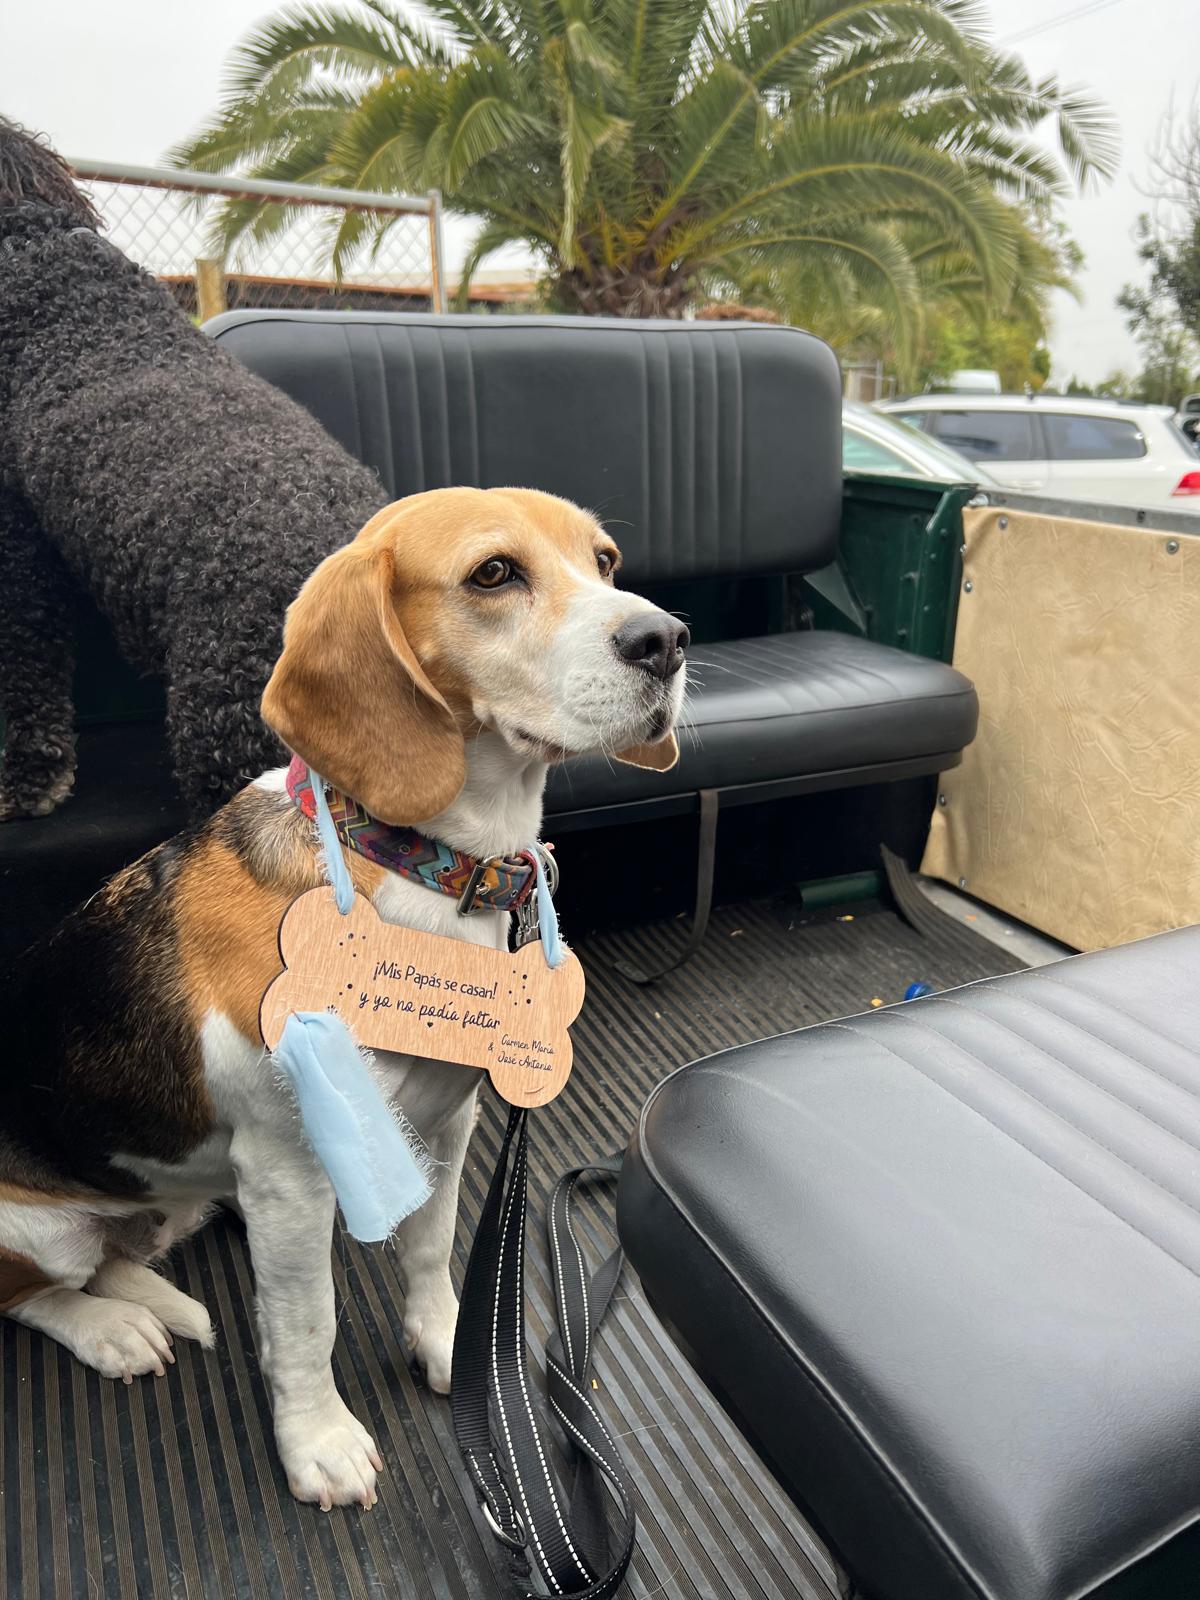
872,442
861,453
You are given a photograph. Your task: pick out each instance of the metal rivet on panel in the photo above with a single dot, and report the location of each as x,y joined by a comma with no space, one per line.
1172,547
941,799
1004,522
968,586
962,883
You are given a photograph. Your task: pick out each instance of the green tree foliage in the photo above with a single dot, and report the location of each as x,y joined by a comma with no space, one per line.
1173,246
1164,314
849,161
1169,359
1005,344
966,328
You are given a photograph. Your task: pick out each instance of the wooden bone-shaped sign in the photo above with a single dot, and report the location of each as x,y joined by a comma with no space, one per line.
424,995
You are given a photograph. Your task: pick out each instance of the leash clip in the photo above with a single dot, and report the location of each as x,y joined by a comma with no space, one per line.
527,912
546,851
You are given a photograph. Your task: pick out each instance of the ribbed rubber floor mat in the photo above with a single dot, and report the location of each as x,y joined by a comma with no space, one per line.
171,1487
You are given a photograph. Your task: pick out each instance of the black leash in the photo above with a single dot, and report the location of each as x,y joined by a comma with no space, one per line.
567,1539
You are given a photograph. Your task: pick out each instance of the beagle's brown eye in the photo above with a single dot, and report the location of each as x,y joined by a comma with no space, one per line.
493,574
607,563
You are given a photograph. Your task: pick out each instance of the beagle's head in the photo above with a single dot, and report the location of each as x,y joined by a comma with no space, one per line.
469,609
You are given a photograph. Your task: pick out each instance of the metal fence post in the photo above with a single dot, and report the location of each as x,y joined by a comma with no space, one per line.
210,287
437,253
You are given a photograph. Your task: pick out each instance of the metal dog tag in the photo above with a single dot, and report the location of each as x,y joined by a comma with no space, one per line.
421,994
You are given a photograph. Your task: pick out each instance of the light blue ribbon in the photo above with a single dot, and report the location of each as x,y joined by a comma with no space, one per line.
378,1168
335,861
552,944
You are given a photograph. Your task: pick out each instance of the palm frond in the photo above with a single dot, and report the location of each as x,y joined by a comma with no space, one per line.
285,51
483,113
494,236
863,162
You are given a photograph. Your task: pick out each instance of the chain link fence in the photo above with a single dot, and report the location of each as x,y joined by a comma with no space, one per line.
164,220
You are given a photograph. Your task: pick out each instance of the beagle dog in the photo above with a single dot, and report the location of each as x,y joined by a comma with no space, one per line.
431,669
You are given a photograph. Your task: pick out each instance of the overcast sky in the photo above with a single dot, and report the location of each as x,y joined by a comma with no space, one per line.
121,80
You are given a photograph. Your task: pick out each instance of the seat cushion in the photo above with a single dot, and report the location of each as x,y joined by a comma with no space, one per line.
708,448
942,1261
790,705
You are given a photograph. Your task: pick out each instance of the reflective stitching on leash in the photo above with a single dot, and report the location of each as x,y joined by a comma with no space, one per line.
531,1526
473,1456
583,1282
506,1221
586,1402
584,1440
558,1516
558,1262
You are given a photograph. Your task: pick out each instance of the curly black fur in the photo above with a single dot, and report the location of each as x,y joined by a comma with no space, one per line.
31,170
187,496
37,615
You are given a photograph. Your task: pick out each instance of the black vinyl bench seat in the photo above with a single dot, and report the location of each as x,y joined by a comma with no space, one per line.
713,451
942,1261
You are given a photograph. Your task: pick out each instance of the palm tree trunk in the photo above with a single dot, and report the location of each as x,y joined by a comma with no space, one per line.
622,292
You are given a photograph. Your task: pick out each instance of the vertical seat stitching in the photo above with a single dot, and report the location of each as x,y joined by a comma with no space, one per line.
390,480
414,390
647,505
668,534
473,431
1126,1105
358,437
1068,1178
1193,1092
1059,1116
1043,976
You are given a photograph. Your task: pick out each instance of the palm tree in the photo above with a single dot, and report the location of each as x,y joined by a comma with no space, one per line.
653,151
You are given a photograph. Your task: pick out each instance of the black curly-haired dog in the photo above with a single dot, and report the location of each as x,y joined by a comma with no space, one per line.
189,498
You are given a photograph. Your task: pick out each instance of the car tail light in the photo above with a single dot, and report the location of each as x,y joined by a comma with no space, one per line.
1188,484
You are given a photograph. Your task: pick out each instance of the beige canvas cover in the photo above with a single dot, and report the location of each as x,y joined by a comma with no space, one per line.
1077,808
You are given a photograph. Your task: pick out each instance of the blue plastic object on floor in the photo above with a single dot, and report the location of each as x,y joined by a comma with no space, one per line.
916,990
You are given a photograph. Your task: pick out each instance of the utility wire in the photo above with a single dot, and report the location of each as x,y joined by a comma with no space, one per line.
1057,22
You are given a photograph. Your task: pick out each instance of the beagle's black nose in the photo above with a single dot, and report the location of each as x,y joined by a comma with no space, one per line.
653,640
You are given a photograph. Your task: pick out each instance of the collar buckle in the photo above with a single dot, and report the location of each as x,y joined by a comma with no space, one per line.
466,900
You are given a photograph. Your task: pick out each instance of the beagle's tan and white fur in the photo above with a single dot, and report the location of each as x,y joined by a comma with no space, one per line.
431,669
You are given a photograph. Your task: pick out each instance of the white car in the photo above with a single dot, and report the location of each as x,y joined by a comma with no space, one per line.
1107,451
872,442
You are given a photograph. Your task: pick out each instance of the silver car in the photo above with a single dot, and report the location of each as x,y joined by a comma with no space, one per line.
872,442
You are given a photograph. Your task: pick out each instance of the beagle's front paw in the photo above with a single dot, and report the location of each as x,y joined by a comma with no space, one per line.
429,1323
129,1280
118,1339
329,1457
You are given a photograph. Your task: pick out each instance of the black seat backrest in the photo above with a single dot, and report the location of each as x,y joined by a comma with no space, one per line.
709,449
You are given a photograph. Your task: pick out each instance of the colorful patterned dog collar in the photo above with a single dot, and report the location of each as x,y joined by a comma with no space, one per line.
502,884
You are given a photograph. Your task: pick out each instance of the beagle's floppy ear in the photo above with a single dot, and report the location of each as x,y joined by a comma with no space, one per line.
659,757
349,696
